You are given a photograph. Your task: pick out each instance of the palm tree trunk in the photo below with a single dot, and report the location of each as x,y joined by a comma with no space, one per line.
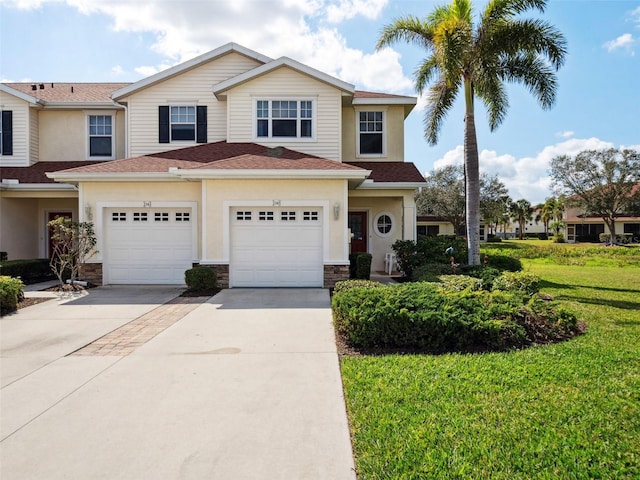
472,177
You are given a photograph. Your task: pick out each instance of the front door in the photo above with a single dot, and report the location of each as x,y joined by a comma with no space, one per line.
53,216
358,227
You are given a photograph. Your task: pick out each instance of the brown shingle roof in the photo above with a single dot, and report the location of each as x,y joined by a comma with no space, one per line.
261,162
69,92
145,164
391,171
363,94
222,150
36,172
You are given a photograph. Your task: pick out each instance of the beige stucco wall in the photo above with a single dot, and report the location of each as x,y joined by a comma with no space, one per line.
64,134
287,84
23,232
394,140
222,195
193,87
393,205
20,122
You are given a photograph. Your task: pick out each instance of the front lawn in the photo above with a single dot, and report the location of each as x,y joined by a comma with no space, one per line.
569,410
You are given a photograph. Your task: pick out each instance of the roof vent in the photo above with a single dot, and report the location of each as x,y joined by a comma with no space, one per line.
275,152
34,86
42,86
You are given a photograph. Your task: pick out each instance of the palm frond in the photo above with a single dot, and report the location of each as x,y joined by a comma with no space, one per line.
491,91
504,9
533,72
440,100
425,72
408,29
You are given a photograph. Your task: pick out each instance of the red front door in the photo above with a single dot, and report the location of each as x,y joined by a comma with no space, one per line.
358,227
53,216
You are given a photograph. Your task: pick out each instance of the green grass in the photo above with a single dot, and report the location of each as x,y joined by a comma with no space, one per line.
564,411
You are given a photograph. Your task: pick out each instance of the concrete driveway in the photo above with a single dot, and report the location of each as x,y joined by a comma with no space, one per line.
118,384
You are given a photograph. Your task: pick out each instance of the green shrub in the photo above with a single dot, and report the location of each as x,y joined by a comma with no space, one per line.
430,272
425,317
3,256
363,266
558,238
343,285
504,262
493,239
28,270
458,283
11,292
517,281
486,274
428,250
200,278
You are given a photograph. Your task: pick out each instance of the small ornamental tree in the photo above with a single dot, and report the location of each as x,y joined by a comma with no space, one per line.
73,244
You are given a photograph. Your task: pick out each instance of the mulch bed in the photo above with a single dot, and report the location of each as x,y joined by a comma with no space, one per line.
209,292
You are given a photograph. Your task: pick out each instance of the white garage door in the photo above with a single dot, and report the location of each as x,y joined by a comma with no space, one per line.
147,246
276,247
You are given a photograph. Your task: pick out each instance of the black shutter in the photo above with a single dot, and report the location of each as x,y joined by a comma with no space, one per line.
163,124
7,132
201,124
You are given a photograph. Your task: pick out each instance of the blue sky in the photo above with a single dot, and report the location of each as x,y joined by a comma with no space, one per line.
598,104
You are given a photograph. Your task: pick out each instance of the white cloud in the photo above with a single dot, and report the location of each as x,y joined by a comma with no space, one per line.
347,9
526,177
565,134
635,16
300,29
117,70
624,41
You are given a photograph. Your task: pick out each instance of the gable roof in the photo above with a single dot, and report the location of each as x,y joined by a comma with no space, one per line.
203,161
189,65
66,93
220,89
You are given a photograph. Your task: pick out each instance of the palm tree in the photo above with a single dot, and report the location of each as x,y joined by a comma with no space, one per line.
479,59
521,212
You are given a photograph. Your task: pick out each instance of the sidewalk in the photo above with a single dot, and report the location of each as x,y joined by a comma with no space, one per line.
245,386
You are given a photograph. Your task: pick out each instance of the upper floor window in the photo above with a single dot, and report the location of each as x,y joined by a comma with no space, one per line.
371,133
6,132
284,118
182,123
100,136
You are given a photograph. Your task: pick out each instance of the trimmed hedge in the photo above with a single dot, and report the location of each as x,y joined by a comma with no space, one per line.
429,318
29,270
343,285
200,278
360,265
11,292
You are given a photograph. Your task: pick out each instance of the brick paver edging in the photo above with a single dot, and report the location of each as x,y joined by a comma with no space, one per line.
125,339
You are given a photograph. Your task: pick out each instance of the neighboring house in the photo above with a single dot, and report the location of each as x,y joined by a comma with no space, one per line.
266,170
587,228
433,225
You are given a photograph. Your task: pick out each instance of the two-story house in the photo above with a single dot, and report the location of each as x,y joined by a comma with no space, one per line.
269,171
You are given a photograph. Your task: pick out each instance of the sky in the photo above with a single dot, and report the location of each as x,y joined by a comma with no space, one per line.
597,105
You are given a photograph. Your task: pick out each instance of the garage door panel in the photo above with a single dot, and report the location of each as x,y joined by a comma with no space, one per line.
147,252
277,252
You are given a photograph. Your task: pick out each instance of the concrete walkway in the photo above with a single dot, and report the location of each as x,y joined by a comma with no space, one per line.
244,386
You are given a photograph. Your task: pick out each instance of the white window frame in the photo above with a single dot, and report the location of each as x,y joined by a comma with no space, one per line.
385,127
101,113
375,224
195,122
297,138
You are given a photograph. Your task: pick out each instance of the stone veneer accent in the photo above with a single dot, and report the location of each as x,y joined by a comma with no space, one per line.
334,273
91,272
222,273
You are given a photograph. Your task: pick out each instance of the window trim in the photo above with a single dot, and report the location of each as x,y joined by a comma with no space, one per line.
101,113
195,122
270,138
375,224
385,127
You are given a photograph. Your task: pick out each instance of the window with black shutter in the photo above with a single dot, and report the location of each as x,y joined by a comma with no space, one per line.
6,127
178,123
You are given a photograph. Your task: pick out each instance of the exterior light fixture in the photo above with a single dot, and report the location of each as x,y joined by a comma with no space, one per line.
336,211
